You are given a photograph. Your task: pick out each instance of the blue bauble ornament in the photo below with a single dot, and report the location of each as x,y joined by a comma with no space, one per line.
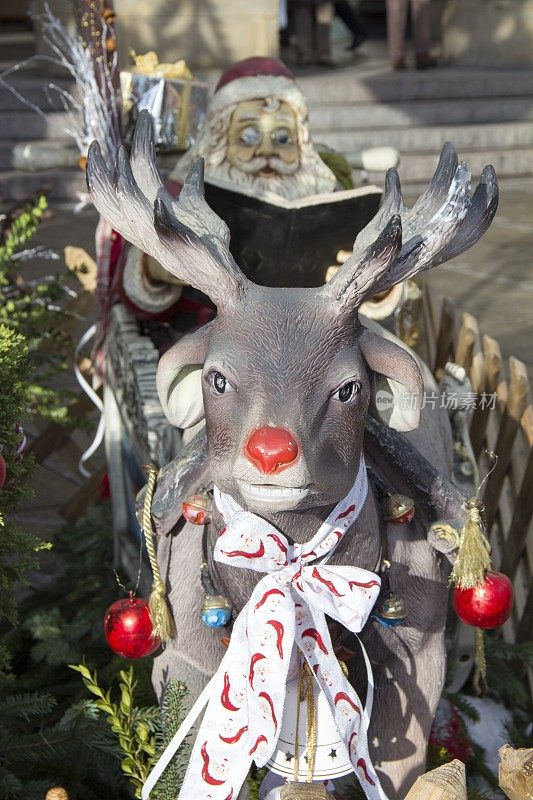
216,611
391,611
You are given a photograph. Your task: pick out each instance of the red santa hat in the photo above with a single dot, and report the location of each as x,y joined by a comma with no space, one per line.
254,78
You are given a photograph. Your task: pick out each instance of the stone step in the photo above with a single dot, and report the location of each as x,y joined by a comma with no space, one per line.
5,155
427,139
354,86
414,168
34,90
419,167
27,124
17,45
60,184
346,116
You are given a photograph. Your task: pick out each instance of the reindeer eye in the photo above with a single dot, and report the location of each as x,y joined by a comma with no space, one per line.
220,383
348,391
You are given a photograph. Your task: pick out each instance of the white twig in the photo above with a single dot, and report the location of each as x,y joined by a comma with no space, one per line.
95,115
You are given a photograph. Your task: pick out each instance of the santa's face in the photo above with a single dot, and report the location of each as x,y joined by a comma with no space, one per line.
263,138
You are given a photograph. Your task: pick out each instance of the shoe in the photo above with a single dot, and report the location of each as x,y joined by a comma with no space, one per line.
356,42
425,61
399,63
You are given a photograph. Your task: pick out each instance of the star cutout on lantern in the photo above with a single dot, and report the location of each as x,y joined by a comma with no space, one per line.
333,754
288,756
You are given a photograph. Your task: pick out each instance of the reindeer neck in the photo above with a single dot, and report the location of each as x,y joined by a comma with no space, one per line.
359,547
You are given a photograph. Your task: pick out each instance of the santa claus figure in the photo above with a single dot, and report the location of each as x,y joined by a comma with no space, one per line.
255,136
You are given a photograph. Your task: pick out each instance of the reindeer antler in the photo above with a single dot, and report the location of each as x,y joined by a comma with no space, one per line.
444,222
185,236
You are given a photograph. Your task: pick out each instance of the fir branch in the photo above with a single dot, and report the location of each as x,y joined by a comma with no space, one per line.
10,785
463,705
26,706
173,711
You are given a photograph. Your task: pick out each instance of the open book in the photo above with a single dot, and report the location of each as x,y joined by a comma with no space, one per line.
279,242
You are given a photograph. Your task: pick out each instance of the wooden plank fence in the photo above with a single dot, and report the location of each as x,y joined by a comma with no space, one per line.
502,421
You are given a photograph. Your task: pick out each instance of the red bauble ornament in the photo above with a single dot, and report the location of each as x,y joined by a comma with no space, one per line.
128,628
487,605
2,470
197,509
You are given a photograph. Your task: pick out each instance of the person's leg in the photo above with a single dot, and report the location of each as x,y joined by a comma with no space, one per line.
421,22
323,20
303,28
396,24
351,19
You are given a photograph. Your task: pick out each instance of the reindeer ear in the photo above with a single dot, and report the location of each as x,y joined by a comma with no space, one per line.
179,376
398,386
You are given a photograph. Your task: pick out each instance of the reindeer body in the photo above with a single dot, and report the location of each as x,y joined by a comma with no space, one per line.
408,662
285,379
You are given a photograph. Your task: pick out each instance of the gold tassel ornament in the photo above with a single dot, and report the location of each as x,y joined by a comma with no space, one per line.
162,621
473,556
481,597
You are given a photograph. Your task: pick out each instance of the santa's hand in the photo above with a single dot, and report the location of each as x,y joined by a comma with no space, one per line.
156,272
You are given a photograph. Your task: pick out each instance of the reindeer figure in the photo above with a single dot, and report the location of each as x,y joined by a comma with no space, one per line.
284,379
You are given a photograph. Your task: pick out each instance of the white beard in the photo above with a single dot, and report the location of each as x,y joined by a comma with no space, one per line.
304,181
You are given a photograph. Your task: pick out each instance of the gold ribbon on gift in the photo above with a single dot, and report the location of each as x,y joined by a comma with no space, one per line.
149,64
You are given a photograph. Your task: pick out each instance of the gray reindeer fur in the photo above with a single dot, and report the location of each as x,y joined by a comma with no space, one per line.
284,353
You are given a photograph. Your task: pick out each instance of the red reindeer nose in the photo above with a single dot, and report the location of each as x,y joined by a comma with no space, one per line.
271,449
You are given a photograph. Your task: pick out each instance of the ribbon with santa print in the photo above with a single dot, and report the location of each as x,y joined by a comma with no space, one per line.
287,608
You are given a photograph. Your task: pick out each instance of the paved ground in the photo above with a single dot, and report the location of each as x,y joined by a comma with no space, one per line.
494,280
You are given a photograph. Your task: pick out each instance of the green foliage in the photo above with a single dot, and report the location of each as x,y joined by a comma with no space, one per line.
18,549
37,744
33,349
20,229
462,704
136,740
33,309
53,735
507,666
63,623
141,733
173,709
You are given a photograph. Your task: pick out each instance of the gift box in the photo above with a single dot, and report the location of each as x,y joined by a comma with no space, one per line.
169,92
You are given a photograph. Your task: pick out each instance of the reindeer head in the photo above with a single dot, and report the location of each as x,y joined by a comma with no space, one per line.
284,376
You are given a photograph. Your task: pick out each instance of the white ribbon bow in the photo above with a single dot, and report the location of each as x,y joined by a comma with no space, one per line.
287,607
